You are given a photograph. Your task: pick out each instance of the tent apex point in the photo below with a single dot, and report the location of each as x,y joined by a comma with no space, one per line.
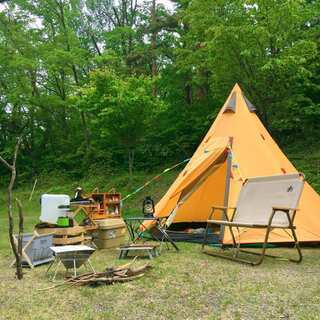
237,87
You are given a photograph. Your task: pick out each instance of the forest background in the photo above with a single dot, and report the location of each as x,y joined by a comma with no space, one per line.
129,86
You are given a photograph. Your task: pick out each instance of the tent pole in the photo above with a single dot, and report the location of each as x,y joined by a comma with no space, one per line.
226,192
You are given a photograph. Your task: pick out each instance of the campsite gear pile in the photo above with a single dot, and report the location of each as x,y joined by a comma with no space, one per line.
73,221
57,218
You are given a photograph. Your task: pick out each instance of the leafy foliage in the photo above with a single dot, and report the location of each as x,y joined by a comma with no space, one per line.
128,84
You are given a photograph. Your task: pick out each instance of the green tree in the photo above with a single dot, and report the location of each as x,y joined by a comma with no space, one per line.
124,106
264,45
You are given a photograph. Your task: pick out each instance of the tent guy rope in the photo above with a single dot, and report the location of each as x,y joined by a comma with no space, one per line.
157,177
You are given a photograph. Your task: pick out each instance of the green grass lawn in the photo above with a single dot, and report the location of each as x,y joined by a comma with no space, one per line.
184,285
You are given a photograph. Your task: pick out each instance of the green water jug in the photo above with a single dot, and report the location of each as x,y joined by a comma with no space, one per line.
63,222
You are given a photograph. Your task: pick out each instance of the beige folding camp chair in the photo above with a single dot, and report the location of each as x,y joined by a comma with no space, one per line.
266,203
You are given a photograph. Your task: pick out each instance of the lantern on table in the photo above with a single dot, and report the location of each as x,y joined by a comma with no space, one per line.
148,207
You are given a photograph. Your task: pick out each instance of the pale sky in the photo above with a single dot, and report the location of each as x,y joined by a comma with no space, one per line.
168,4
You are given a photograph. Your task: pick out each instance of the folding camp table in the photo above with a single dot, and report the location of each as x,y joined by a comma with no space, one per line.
149,249
72,257
136,227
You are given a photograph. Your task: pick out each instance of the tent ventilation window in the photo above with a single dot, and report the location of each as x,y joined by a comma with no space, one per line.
231,105
250,106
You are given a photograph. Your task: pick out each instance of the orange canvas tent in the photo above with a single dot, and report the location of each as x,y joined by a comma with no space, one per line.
236,147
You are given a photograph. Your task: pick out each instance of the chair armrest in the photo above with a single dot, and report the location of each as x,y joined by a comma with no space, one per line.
285,210
276,208
224,211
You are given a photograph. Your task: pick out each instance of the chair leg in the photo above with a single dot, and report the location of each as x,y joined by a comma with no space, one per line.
264,248
237,249
262,254
297,245
205,238
236,245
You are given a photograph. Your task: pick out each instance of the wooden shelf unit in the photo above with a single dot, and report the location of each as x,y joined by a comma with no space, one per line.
107,205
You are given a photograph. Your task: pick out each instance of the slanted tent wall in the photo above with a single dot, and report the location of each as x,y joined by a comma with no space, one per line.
254,153
202,180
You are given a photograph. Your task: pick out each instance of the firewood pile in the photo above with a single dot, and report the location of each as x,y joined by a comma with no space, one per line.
123,273
110,276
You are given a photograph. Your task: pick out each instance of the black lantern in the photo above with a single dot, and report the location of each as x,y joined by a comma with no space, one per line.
148,207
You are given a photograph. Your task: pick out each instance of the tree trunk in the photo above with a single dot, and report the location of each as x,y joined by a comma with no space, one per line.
154,69
86,133
20,238
11,224
188,94
130,161
17,250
